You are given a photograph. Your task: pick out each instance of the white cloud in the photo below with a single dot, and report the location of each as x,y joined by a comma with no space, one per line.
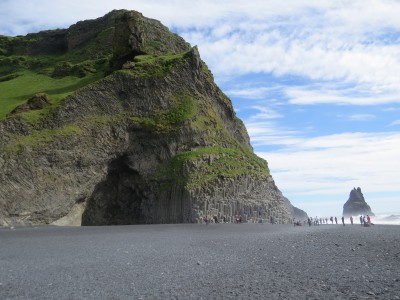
360,117
395,123
390,109
265,113
250,93
327,95
266,132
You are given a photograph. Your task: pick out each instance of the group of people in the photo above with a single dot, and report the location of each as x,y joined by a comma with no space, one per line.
318,221
215,220
210,219
364,221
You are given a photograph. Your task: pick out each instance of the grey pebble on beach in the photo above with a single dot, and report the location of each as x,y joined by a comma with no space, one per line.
219,261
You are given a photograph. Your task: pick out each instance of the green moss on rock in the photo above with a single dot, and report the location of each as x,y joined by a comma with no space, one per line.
41,137
202,167
184,107
149,66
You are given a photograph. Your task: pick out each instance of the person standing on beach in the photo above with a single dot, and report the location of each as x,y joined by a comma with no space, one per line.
336,220
351,220
361,220
332,220
343,220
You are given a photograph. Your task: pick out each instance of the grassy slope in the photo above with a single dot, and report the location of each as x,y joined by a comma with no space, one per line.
16,91
23,76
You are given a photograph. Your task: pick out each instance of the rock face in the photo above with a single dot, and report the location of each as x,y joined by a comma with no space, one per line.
299,214
356,204
157,142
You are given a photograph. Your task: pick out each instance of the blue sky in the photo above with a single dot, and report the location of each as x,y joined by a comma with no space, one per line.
317,83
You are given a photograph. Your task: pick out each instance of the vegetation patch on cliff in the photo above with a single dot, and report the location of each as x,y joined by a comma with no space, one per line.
25,83
202,167
40,137
149,66
184,107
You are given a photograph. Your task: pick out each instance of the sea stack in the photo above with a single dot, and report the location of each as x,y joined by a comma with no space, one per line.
356,204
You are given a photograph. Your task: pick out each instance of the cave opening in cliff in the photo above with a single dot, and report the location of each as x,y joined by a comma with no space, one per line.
118,199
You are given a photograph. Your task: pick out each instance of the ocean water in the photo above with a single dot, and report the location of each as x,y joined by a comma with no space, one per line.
385,219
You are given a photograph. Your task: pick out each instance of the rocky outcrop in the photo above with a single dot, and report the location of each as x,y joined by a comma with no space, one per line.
37,102
136,35
157,142
42,43
356,204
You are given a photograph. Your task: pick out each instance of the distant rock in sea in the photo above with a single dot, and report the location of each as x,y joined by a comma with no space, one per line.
391,218
356,204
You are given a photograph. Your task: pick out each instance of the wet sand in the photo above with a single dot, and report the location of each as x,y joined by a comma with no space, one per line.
216,261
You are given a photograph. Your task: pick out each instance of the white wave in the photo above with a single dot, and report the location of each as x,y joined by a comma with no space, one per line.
383,218
387,219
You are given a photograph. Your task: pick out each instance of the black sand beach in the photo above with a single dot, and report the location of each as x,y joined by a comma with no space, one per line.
217,261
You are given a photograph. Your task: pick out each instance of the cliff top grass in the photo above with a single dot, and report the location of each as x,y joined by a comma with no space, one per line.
16,91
